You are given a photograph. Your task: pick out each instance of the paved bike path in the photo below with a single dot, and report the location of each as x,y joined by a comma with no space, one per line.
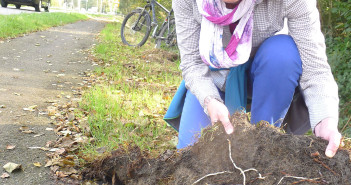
34,69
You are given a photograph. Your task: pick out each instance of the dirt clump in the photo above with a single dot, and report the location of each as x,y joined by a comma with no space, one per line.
278,157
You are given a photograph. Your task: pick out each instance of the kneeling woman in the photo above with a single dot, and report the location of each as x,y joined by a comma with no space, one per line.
230,53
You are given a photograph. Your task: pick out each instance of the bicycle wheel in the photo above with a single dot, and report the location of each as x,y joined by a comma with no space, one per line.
136,28
170,37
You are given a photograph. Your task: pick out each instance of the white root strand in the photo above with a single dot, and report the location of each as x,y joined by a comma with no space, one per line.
301,178
235,166
211,174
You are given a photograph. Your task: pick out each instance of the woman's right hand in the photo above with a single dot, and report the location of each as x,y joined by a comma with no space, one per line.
219,112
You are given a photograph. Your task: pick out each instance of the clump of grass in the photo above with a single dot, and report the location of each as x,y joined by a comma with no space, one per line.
127,107
15,25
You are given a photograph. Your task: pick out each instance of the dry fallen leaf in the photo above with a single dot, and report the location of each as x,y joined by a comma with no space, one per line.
28,131
10,167
38,135
60,151
37,164
34,147
23,128
54,168
10,147
44,149
54,149
49,129
51,110
31,108
5,175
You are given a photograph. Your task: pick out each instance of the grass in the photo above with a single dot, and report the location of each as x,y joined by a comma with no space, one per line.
135,89
15,25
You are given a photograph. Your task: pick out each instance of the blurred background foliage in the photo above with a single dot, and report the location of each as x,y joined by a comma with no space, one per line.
336,26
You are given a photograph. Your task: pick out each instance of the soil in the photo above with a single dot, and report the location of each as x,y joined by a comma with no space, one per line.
271,152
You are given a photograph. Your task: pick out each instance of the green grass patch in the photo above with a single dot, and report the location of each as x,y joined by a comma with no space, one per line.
15,25
135,89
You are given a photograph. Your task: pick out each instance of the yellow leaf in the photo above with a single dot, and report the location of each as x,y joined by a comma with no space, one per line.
37,164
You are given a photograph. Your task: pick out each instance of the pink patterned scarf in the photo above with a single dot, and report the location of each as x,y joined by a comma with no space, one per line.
215,16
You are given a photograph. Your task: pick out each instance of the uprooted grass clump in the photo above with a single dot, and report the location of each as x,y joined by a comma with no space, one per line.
270,156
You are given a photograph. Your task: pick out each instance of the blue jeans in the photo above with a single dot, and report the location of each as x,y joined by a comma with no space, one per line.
273,78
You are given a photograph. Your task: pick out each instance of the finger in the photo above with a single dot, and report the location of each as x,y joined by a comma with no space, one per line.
334,142
214,121
228,127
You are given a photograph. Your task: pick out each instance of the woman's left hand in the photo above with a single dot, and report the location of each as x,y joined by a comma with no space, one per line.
328,129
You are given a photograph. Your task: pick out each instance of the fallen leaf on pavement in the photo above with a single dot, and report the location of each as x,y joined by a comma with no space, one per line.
37,164
49,144
23,128
3,106
60,174
31,108
67,142
60,151
34,147
10,147
44,149
54,168
51,110
38,135
10,167
5,175
66,132
54,149
51,101
28,131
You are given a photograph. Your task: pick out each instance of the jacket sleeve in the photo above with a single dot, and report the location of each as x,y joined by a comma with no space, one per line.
196,74
317,84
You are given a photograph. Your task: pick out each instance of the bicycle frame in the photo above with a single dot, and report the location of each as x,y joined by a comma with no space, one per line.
167,21
151,7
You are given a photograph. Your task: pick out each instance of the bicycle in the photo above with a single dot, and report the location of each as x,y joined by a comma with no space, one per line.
137,25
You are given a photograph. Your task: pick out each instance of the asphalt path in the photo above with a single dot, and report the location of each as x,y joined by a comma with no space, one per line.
36,69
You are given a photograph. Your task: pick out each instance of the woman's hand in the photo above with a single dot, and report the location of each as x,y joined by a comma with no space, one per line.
219,112
328,129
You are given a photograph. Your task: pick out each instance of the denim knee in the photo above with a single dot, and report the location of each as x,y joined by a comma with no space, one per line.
278,57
